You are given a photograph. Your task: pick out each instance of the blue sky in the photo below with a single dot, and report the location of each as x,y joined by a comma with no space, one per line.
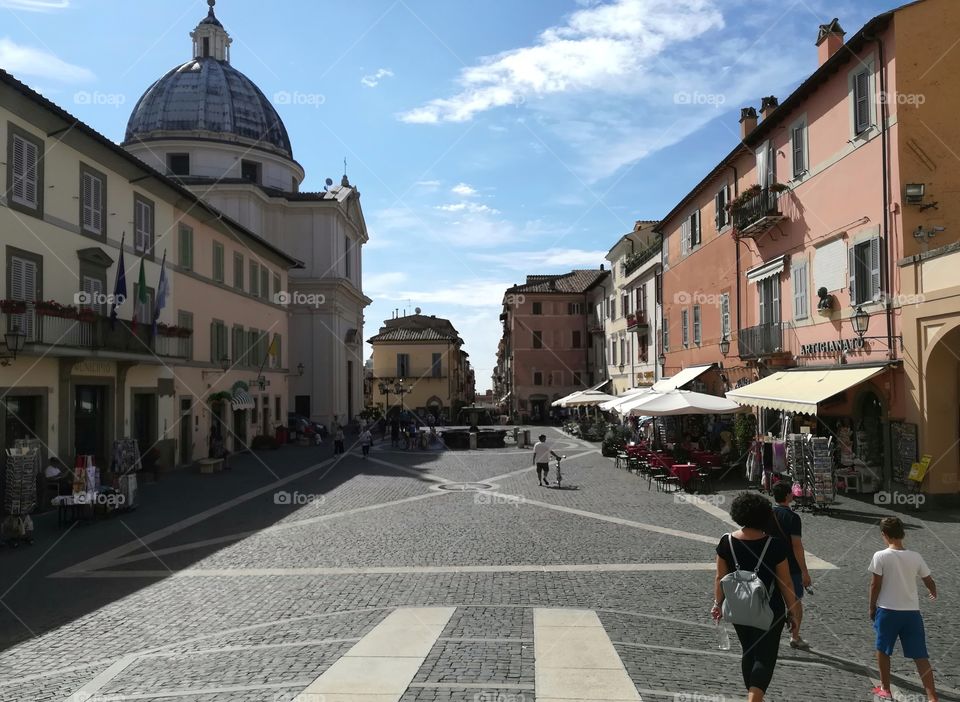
489,140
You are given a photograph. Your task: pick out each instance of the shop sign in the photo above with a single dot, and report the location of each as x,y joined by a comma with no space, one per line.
835,346
93,368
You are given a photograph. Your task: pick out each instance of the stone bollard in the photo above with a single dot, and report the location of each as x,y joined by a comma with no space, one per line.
473,440
516,437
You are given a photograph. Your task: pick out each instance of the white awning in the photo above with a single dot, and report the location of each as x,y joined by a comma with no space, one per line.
801,390
241,400
768,269
681,378
631,394
600,384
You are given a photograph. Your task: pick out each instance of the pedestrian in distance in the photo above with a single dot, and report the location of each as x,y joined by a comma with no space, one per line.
338,440
751,548
542,451
895,607
787,525
394,432
366,439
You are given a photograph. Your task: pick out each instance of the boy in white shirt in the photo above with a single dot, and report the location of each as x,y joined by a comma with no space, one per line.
366,438
895,607
541,457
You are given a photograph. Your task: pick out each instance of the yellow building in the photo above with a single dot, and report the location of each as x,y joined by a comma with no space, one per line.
421,357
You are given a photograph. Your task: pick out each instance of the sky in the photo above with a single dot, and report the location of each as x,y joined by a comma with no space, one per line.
488,140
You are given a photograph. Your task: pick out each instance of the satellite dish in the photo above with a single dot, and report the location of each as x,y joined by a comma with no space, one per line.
417,310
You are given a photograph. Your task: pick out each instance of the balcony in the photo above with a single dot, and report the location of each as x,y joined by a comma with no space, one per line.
638,323
757,211
762,340
638,258
94,333
594,325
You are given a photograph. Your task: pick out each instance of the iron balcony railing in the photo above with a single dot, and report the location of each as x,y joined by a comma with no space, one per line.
761,340
758,213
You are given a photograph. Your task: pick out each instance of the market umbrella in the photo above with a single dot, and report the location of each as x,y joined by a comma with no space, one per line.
562,400
677,402
631,394
588,398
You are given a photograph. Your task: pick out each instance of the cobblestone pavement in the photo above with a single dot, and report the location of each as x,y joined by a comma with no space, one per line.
250,584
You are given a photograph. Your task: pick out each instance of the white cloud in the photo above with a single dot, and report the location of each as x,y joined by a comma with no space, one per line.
373,80
463,190
552,260
599,48
23,60
35,5
471,207
428,183
462,293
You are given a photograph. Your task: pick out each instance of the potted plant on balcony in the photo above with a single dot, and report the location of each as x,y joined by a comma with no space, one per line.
167,329
85,314
13,306
631,321
52,308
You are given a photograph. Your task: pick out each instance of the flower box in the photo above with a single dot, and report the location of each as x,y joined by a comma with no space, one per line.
13,306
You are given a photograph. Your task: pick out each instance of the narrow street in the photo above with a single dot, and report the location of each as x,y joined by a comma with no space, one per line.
435,575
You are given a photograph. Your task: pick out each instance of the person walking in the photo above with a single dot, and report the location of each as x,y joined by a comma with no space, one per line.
366,439
751,548
895,607
542,451
394,432
338,440
787,525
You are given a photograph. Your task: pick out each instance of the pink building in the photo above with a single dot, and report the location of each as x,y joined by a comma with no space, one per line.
546,351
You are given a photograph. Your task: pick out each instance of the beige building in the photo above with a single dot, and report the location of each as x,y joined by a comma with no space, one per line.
73,204
422,357
630,309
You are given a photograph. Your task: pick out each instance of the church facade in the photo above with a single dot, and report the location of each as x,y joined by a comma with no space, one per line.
208,126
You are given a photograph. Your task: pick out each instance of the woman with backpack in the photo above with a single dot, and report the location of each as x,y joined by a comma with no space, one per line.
753,590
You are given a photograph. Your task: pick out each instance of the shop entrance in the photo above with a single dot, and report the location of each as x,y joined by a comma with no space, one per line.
301,405
186,430
538,409
144,421
869,435
90,421
239,430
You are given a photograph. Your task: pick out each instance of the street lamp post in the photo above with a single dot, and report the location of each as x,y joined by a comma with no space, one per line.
860,321
384,386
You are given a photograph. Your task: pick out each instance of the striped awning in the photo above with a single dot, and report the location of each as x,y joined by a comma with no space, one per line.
241,400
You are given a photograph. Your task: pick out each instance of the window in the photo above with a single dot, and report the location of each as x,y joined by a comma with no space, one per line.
798,148
347,245
143,311
624,305
252,348
250,170
94,288
766,165
574,308
276,287
769,291
185,343
185,247
239,346
276,408
613,307
537,378
577,341
238,270
864,271
800,295
720,202
403,365
642,344
685,237
613,352
685,327
93,202
725,316
264,282
218,261
537,308
695,229
218,342
696,324
658,286
556,378
641,303
435,365
577,378
276,358
206,46
254,279
142,225
665,253
24,171
665,334
538,339
178,164
861,101
623,351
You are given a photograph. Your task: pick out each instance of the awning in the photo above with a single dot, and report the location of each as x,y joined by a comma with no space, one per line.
505,397
631,394
600,384
241,400
768,269
681,378
677,402
801,390
588,398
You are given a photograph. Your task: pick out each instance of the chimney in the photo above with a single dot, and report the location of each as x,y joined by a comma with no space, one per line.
748,121
829,40
601,266
768,105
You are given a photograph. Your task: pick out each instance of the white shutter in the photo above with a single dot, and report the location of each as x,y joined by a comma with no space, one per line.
762,166
93,287
685,237
142,232
23,286
852,263
25,162
875,292
96,217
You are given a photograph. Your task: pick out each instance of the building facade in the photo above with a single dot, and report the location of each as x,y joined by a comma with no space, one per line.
207,125
546,348
419,365
75,206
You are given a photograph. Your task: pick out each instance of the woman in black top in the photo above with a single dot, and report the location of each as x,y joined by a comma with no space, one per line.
753,513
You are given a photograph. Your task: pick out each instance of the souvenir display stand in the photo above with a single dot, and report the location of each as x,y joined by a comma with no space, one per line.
810,459
126,464
22,468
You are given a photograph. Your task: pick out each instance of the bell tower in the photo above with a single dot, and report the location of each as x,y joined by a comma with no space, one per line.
210,39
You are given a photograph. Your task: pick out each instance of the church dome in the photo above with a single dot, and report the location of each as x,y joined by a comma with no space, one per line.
207,98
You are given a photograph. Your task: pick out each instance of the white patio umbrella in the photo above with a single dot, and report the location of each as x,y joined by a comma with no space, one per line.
631,394
562,400
677,402
588,398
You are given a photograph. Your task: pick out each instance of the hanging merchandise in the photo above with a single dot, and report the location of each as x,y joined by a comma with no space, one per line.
20,496
844,436
798,461
126,463
823,469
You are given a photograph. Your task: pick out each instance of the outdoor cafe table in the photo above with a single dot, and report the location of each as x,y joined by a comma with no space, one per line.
684,471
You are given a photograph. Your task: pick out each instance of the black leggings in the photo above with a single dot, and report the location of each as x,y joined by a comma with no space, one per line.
760,651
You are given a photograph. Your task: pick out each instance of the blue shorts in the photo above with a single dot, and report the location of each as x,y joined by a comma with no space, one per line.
797,584
891,624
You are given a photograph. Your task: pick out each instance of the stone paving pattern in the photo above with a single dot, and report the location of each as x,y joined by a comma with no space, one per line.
658,621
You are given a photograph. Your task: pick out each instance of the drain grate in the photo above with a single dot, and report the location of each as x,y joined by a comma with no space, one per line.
464,487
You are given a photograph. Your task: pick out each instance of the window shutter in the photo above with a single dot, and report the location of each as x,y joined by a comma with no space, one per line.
685,237
264,282
800,296
18,188
86,198
852,263
254,279
861,96
278,361
775,299
799,166
31,157
725,315
23,286
213,343
761,155
875,292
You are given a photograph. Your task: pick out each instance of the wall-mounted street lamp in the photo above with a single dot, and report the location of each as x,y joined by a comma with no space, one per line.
724,346
860,321
300,369
14,340
663,360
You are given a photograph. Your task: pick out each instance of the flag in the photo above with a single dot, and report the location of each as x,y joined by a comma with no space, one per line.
272,350
162,292
140,303
119,287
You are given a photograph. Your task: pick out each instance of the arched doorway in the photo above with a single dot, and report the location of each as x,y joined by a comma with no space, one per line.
940,432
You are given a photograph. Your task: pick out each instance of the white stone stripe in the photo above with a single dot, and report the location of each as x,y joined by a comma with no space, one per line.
575,659
105,677
385,661
192,693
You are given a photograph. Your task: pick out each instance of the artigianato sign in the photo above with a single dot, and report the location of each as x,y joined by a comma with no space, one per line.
832,346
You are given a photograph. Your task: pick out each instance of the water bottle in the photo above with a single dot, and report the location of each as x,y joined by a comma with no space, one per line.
722,637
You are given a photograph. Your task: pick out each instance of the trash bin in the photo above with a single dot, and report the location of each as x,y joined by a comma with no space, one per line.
526,437
282,435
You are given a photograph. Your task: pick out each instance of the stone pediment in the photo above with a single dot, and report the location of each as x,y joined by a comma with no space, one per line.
95,256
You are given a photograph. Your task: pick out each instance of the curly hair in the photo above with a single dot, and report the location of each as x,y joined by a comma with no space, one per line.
751,510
